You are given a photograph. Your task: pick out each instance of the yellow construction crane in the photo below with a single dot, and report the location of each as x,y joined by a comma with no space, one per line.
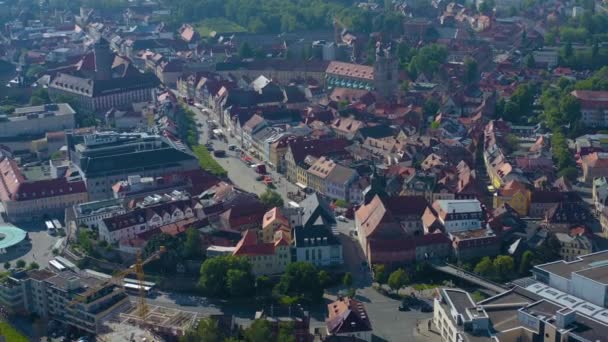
118,279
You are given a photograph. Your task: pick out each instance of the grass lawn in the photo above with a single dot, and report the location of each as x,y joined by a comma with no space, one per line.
207,162
219,25
11,334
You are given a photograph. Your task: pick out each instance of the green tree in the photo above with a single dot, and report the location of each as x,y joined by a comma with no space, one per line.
84,240
568,51
20,263
258,331
529,61
192,243
239,282
526,262
301,279
347,280
324,278
286,332
430,107
428,59
484,267
214,279
487,6
263,286
548,250
206,330
245,51
33,265
380,274
35,71
471,70
271,199
398,279
7,265
569,172
504,266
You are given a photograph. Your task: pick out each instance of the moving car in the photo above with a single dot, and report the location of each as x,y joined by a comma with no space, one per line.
219,153
341,218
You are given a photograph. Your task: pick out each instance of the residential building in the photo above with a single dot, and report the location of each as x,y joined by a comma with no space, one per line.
463,221
155,212
594,107
90,214
459,215
266,258
102,80
599,193
26,199
103,159
277,315
35,121
299,149
347,318
71,298
347,127
516,195
274,222
594,165
390,231
316,210
317,245
542,201
575,245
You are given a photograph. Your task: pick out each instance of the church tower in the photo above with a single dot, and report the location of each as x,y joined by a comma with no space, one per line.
386,72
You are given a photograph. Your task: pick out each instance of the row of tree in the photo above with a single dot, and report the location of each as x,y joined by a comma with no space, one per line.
260,330
231,276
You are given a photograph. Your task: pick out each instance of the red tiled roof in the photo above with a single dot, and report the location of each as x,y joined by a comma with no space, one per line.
15,187
249,245
350,70
317,148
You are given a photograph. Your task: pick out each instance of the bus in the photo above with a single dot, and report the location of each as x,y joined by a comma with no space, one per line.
50,227
57,224
66,263
133,288
56,266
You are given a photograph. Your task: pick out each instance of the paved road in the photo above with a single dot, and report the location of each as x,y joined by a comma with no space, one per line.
241,174
38,249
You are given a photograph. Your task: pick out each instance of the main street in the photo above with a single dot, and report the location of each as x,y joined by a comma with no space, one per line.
241,174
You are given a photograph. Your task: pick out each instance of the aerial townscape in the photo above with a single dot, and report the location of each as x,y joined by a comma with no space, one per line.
299,171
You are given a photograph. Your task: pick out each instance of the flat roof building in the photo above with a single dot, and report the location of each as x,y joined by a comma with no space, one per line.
35,121
103,159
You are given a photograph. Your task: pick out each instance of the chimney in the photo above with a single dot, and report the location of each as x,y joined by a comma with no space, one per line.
103,60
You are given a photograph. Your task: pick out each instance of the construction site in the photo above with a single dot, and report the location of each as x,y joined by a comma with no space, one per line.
159,321
137,320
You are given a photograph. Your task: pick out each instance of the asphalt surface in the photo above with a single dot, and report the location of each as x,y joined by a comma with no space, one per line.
241,174
38,249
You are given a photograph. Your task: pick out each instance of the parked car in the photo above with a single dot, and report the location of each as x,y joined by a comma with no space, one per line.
404,307
219,153
231,147
341,218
